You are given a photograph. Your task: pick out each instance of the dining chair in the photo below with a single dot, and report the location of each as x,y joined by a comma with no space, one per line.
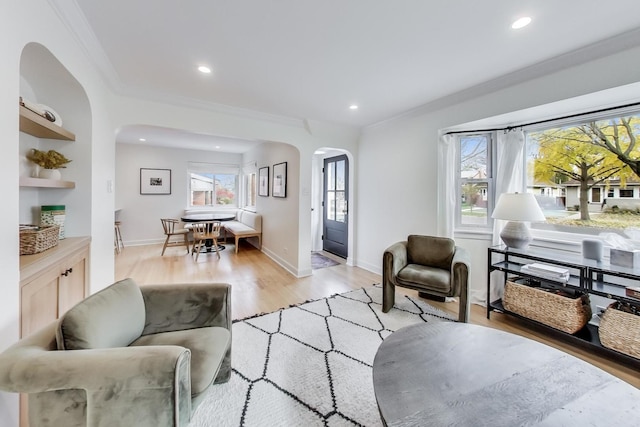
205,233
170,226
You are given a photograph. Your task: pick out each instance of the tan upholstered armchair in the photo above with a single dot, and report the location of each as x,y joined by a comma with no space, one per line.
125,356
433,266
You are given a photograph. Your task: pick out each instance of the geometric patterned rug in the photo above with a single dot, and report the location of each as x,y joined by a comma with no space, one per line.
309,365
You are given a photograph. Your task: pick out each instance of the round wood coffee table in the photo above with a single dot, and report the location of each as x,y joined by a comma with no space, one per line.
447,373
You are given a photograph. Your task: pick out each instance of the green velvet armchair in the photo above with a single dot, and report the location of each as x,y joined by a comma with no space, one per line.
433,266
125,356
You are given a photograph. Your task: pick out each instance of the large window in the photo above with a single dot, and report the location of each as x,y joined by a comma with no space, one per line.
576,171
474,180
212,185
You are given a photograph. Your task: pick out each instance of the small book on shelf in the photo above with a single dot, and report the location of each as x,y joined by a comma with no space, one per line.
633,292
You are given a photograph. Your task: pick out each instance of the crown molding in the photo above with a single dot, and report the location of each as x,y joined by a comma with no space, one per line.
601,49
75,21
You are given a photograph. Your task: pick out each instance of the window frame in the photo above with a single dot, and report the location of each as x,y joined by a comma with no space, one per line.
214,170
249,192
580,233
489,180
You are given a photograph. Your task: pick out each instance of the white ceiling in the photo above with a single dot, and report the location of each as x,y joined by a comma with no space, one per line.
306,59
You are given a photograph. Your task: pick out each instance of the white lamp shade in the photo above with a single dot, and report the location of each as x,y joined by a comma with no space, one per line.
518,207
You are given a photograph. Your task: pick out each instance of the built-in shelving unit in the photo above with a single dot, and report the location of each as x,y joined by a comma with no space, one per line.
40,127
26,181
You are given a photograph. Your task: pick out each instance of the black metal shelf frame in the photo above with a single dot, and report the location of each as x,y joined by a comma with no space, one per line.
585,275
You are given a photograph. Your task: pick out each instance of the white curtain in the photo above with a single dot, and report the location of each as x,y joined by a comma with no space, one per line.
447,191
509,178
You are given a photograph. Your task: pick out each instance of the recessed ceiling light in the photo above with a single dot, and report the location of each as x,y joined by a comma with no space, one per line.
204,69
142,140
353,107
217,147
522,22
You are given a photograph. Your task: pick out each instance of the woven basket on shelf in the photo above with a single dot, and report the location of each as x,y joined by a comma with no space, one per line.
560,312
33,241
620,331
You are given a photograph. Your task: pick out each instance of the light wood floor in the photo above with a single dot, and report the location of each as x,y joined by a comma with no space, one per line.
259,285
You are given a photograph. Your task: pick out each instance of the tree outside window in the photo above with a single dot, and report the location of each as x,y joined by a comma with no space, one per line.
581,167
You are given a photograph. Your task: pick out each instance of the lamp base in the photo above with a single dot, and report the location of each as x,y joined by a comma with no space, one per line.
516,235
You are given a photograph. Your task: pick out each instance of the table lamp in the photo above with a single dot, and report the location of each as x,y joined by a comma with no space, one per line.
518,209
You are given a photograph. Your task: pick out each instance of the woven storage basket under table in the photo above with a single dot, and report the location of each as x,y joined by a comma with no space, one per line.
558,311
620,331
34,239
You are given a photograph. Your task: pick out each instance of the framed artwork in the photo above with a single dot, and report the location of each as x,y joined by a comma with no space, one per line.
263,181
279,180
155,181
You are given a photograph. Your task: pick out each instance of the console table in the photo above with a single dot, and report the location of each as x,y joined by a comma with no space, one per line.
588,276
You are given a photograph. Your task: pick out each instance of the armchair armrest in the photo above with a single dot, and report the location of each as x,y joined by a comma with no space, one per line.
157,378
394,260
178,307
34,365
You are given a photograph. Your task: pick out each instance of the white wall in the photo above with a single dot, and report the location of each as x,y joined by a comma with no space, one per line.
397,179
281,216
140,215
22,23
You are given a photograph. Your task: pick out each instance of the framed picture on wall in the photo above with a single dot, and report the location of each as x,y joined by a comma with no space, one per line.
279,180
263,181
155,181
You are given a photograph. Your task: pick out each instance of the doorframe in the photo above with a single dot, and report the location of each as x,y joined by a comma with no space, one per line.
316,199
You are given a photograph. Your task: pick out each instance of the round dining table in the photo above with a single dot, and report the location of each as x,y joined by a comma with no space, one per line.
201,217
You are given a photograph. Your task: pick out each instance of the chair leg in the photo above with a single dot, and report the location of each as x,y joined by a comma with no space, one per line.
186,241
166,242
463,308
388,296
215,245
237,242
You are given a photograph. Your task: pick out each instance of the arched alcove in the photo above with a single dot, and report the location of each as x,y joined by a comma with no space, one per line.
44,80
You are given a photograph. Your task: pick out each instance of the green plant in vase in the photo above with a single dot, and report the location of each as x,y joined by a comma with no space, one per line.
49,162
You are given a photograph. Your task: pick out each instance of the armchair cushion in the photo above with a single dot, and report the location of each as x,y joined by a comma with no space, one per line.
430,250
113,317
208,347
434,279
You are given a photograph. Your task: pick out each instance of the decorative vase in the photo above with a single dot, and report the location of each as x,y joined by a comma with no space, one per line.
49,174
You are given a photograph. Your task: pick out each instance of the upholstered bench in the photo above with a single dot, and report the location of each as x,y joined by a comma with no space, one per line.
246,224
127,355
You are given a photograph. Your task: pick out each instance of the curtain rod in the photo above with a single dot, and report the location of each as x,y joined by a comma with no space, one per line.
570,116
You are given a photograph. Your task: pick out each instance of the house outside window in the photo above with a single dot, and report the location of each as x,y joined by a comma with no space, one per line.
474,178
212,185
